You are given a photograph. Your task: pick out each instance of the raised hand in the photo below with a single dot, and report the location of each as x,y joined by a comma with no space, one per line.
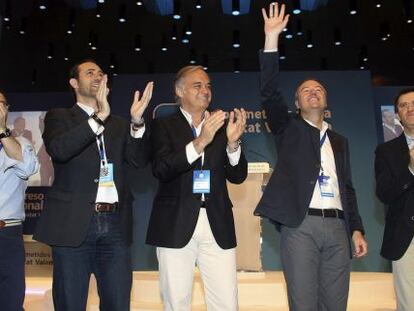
104,110
212,123
274,23
3,117
140,104
236,126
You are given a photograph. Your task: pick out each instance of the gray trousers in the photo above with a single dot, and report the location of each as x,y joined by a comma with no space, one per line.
316,264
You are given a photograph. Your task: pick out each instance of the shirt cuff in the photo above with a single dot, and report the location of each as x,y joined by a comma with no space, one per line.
191,153
95,127
234,157
138,133
270,50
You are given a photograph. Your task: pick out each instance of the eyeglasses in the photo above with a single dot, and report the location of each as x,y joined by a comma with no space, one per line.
406,105
5,104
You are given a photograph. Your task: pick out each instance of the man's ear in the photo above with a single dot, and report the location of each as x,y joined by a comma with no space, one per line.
296,103
179,92
73,83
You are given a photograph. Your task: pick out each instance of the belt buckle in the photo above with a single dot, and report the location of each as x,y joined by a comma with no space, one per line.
336,213
323,213
97,207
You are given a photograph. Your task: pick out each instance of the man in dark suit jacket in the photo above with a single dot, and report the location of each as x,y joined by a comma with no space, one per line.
310,195
87,217
394,172
192,220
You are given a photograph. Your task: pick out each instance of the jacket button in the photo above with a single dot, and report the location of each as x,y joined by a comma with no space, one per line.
96,180
412,218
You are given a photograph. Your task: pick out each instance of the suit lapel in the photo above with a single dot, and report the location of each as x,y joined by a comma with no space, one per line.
403,155
338,150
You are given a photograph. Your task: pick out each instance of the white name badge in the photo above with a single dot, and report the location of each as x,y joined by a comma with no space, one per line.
325,186
201,181
106,174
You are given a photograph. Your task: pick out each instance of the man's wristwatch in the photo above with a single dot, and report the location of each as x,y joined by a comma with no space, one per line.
97,120
137,125
231,150
6,133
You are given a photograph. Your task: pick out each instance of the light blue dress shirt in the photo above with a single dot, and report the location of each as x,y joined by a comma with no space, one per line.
14,175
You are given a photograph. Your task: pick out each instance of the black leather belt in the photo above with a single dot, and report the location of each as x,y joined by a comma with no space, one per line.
105,207
331,212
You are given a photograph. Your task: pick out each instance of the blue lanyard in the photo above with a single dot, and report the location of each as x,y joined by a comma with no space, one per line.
194,131
323,139
321,144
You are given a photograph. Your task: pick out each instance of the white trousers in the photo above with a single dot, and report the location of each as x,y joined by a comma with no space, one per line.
217,267
403,272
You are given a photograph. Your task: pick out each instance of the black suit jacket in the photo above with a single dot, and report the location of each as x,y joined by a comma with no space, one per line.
175,208
71,143
289,192
395,188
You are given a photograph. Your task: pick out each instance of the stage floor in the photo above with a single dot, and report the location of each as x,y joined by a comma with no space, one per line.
258,291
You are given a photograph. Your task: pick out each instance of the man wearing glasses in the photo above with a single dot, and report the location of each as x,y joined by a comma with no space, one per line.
18,162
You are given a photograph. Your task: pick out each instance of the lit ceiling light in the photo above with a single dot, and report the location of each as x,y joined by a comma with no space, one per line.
299,30
408,11
282,52
23,26
93,41
193,56
174,32
138,46
139,3
309,41
112,61
164,43
236,65
288,32
42,5
177,9
352,7
236,39
7,12
363,53
67,53
385,31
122,13
337,37
198,4
205,62
98,10
71,23
51,51
185,38
187,27
296,7
378,3
235,7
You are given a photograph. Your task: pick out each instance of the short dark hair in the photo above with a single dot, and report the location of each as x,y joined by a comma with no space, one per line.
401,93
5,97
74,71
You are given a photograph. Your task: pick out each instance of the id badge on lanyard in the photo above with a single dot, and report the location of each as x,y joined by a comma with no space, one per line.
106,172
201,178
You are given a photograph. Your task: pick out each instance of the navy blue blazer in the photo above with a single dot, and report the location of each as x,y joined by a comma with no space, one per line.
175,208
71,144
395,188
289,192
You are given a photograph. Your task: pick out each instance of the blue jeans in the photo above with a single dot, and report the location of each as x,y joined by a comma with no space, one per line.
103,253
12,259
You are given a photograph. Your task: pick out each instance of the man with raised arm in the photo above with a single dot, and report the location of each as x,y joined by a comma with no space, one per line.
310,196
87,219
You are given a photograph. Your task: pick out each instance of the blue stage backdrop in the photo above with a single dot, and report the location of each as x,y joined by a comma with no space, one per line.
352,112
